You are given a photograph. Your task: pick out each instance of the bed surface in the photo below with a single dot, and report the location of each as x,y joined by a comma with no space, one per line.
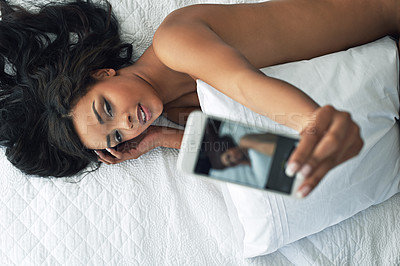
145,212
138,214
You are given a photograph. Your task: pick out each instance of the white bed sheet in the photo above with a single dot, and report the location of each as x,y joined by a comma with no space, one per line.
144,212
141,212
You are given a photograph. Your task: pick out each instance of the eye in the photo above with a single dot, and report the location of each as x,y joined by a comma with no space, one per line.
107,108
118,137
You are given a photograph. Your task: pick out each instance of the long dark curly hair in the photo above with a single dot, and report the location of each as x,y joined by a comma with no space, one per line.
46,61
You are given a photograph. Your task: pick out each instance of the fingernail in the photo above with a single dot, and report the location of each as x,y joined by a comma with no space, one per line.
292,168
108,149
303,192
305,171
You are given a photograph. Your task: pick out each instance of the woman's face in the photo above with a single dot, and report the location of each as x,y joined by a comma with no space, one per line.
116,109
233,157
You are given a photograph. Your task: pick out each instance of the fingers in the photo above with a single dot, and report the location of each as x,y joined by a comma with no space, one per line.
316,143
100,157
310,137
333,139
133,148
312,181
354,144
324,167
118,156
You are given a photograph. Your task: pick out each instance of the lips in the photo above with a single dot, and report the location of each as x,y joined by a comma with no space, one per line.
147,112
143,114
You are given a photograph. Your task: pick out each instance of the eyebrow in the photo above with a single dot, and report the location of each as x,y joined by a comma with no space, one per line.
97,114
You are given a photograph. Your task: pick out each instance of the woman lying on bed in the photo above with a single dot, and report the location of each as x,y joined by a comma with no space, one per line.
69,89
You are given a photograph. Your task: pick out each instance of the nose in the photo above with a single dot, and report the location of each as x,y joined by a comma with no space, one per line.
126,121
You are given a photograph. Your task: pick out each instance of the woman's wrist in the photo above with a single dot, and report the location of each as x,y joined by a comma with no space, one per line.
304,121
298,121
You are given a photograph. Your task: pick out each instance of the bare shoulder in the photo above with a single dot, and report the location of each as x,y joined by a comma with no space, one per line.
180,33
192,39
203,41
254,30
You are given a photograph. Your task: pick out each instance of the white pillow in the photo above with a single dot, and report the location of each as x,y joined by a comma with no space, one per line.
362,80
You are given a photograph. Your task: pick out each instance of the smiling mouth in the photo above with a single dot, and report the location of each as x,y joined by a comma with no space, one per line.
141,115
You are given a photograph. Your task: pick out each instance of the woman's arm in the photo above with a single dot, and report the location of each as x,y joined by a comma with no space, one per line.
263,143
225,45
219,45
197,50
153,137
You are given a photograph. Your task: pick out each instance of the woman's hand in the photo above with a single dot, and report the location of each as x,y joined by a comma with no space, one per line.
330,139
151,138
133,148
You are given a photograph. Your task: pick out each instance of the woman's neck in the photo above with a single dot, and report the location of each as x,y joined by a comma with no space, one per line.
169,84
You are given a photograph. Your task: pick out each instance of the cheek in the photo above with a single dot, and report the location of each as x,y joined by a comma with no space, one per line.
224,159
234,154
96,137
129,135
91,134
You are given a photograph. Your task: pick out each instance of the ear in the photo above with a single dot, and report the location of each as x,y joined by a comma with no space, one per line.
103,73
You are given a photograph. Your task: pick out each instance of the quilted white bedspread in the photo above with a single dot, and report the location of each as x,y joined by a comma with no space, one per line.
144,212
